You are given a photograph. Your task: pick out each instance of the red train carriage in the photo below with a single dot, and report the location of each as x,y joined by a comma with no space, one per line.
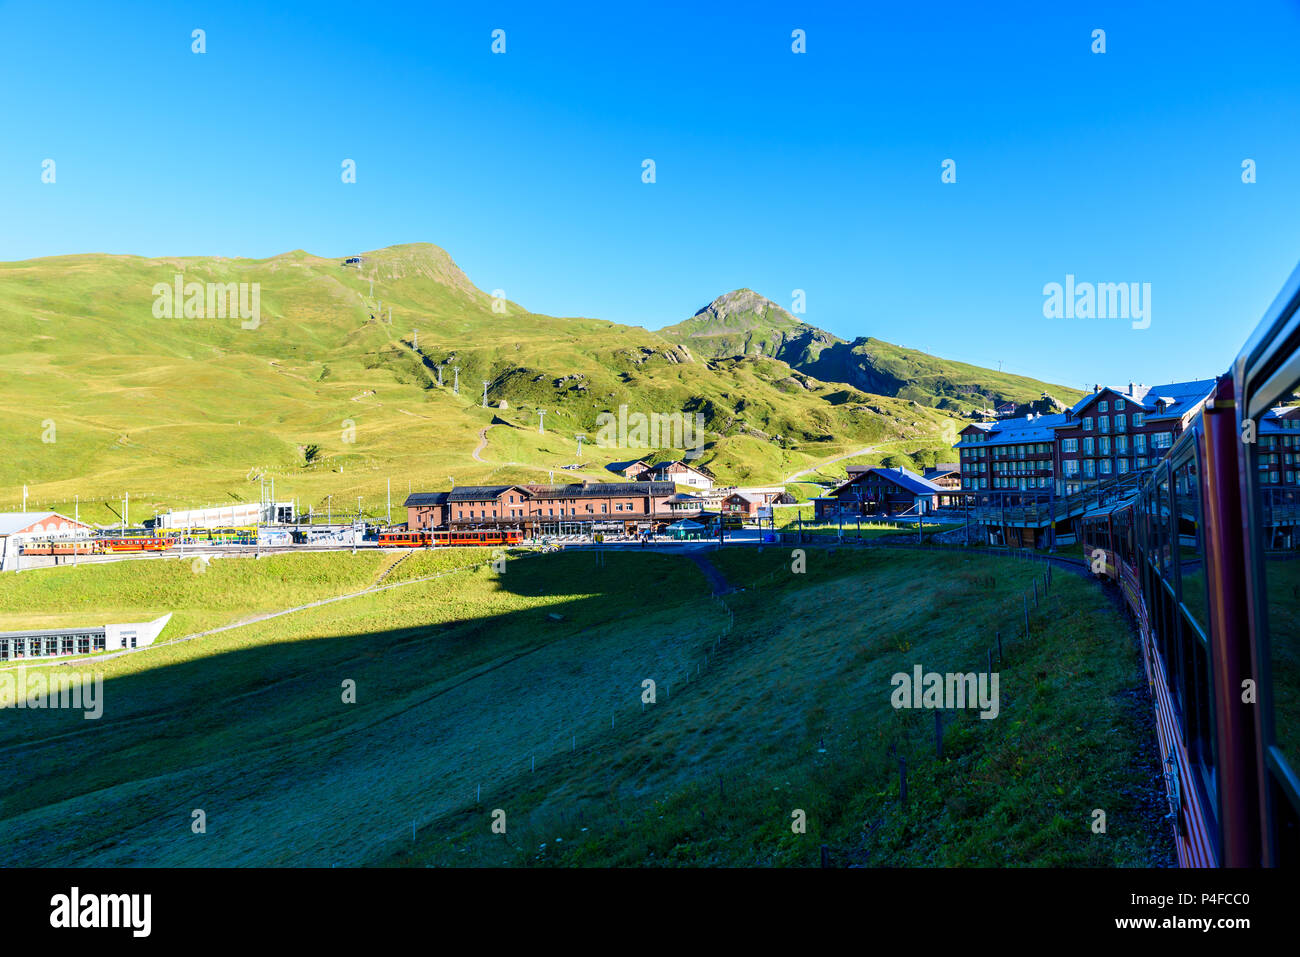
1208,557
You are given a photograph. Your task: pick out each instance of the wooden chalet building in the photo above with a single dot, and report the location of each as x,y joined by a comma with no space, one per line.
879,491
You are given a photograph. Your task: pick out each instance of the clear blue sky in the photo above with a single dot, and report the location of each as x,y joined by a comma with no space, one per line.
775,171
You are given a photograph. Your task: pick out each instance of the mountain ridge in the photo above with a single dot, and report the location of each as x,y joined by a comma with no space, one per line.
743,322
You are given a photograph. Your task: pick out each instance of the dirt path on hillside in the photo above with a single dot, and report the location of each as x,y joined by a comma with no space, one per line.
831,461
717,581
482,444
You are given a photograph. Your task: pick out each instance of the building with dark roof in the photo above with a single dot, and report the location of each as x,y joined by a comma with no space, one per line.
544,509
880,491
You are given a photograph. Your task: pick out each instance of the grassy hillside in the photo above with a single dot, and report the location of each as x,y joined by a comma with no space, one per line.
329,398
469,682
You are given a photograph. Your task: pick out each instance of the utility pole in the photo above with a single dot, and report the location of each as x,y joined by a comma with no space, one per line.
24,498
541,421
580,436
440,377
329,513
126,512
390,501
415,339
76,508
485,385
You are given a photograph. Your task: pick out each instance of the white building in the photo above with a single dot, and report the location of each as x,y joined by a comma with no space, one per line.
60,642
238,515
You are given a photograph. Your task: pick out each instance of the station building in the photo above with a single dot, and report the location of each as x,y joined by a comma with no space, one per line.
627,507
21,528
60,642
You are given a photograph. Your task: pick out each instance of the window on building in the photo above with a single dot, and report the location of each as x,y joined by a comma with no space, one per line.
1119,423
1103,424
1105,466
1138,419
1105,445
1119,405
1087,445
1087,423
1069,445
1103,406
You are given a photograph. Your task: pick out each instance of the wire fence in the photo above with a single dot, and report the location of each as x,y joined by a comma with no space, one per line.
495,788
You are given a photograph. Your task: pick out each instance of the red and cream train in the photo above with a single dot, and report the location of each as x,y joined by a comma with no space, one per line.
1206,556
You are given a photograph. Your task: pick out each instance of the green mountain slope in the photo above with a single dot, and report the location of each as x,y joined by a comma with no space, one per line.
743,323
334,390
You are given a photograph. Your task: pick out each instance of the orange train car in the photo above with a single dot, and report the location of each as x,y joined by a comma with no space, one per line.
134,543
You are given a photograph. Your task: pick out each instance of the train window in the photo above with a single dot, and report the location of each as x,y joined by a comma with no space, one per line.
1279,533
1190,546
1161,518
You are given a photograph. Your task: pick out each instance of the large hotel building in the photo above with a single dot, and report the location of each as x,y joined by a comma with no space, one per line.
1017,473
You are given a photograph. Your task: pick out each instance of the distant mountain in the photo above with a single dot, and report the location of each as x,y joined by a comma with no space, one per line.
743,323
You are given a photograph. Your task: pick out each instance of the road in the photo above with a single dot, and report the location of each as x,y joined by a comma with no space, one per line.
831,461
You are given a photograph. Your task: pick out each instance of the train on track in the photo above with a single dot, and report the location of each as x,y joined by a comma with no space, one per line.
170,539
431,539
1206,556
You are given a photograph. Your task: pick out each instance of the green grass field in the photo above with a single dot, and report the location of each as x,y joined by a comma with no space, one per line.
464,682
328,397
